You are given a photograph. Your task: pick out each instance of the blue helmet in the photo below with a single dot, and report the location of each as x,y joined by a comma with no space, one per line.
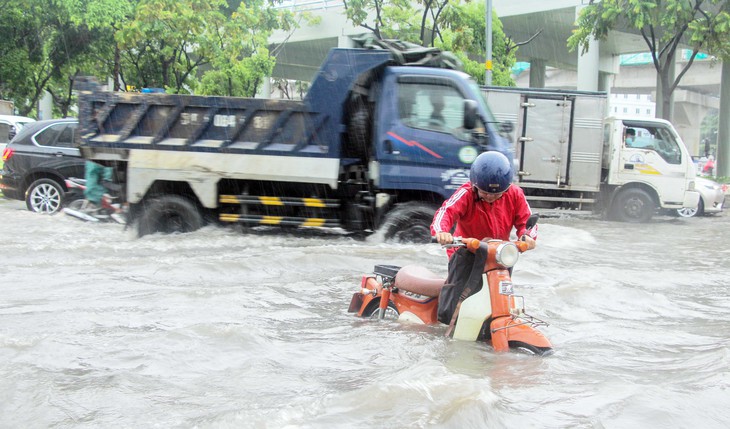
491,172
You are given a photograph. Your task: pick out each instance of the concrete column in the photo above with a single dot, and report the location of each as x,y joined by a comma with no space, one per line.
537,73
265,90
588,63
588,68
723,132
45,106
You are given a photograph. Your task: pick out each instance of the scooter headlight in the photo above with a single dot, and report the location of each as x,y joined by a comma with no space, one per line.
507,254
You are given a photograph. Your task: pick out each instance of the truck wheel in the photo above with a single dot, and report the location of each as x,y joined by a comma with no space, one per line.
359,130
633,205
169,214
409,223
44,196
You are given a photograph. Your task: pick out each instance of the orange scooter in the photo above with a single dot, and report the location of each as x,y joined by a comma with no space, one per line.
482,308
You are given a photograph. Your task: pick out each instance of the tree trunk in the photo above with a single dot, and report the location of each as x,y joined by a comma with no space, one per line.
665,94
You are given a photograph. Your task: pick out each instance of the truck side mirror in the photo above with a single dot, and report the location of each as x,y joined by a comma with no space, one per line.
470,114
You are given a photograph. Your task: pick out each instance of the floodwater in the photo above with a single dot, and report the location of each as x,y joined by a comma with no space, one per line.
223,329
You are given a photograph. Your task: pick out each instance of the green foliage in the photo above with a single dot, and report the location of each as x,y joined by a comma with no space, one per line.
141,43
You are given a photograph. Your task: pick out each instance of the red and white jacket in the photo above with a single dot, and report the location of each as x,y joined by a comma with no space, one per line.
479,219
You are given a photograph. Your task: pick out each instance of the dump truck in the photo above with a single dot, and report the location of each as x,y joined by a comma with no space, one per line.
570,155
366,150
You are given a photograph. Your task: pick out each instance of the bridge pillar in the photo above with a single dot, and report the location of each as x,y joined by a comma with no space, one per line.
723,132
690,108
588,68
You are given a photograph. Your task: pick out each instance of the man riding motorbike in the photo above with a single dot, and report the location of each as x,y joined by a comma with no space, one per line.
489,205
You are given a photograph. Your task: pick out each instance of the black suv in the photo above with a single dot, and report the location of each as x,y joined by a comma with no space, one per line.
38,160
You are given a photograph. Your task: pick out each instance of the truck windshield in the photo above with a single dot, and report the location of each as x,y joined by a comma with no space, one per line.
656,137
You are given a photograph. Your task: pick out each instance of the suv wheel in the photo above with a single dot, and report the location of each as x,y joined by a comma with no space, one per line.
44,196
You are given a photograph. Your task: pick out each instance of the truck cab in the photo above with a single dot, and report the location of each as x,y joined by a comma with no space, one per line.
647,159
430,126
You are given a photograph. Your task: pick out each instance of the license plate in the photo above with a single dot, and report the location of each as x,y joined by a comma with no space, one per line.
505,288
355,303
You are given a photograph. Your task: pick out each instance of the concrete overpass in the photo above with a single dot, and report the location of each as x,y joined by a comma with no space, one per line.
551,64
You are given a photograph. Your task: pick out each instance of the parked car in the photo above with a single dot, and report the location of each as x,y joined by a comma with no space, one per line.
10,126
712,198
38,161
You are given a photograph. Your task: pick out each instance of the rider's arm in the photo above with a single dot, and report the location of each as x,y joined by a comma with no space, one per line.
449,213
522,214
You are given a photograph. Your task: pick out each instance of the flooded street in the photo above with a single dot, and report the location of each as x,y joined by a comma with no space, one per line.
220,328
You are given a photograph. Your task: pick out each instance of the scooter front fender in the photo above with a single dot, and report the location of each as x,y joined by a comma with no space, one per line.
360,301
506,330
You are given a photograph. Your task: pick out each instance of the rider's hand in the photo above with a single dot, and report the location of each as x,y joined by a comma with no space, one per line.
444,238
530,241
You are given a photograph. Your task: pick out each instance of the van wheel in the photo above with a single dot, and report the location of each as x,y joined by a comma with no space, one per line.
169,214
44,196
633,205
409,223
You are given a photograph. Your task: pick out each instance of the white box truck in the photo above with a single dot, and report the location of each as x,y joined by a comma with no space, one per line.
569,155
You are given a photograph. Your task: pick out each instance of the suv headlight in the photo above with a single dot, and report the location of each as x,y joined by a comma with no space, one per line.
507,254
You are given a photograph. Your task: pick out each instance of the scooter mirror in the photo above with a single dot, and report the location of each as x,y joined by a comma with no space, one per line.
532,220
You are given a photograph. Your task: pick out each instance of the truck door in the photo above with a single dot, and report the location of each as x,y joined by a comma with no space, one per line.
422,138
652,153
544,144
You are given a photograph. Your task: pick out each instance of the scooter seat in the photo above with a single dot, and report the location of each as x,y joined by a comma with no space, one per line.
420,280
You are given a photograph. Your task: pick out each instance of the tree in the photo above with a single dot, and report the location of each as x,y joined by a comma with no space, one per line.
241,58
48,44
665,26
167,41
451,26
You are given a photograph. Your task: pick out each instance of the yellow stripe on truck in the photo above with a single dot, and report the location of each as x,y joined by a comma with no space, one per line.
271,201
271,220
313,222
228,199
647,169
313,202
227,217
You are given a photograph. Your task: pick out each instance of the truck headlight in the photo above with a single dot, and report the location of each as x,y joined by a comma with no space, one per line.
507,254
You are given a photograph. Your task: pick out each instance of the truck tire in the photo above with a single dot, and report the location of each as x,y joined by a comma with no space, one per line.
409,223
633,205
169,214
359,130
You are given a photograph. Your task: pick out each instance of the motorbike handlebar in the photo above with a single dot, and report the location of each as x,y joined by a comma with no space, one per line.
469,243
473,243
